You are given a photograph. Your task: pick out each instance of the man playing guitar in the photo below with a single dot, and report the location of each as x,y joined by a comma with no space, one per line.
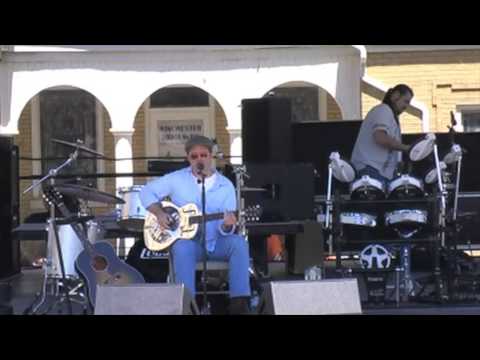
183,187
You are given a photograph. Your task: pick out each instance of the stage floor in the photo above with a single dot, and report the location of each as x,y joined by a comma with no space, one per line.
26,285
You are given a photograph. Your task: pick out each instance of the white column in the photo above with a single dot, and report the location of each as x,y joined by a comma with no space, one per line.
235,145
123,150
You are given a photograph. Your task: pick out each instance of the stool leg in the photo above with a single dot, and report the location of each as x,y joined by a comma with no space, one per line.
171,269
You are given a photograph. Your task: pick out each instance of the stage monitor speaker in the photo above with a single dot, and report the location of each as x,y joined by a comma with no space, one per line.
144,299
324,297
306,249
9,208
266,130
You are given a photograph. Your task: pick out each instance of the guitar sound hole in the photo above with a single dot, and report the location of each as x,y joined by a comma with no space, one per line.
174,216
99,263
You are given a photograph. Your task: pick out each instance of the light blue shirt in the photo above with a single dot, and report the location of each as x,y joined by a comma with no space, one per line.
183,189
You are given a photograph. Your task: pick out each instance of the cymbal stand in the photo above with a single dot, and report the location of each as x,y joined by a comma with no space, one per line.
441,188
328,210
53,236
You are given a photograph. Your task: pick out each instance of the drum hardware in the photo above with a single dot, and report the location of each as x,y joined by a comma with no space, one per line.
252,189
78,145
68,286
88,194
240,172
344,172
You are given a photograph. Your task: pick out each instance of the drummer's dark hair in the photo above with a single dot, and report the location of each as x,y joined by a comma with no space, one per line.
401,88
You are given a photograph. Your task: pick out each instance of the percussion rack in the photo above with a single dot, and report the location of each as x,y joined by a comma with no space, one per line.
340,202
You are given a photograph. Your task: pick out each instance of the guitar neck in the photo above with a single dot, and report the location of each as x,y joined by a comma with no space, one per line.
209,217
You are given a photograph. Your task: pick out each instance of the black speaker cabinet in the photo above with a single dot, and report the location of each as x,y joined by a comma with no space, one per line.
266,130
9,208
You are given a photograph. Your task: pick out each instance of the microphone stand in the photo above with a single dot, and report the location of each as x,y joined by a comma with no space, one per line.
206,306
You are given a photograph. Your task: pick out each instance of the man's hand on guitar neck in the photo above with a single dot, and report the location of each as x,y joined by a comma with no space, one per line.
164,219
229,220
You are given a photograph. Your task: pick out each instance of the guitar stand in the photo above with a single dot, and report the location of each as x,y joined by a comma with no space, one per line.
63,289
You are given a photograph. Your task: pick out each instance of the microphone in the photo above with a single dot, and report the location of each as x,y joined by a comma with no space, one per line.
200,168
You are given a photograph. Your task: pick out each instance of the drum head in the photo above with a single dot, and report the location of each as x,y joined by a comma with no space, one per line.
367,188
343,171
421,149
431,176
405,187
406,222
453,155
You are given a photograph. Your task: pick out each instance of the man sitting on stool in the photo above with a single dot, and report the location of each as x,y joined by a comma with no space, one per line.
184,186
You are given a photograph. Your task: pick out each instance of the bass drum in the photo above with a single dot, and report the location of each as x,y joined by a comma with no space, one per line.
406,222
71,246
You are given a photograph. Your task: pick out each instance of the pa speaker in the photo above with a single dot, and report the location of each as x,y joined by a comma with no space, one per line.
324,297
306,249
266,129
9,208
144,299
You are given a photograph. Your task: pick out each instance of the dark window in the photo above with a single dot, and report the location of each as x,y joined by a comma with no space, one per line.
67,115
179,97
471,121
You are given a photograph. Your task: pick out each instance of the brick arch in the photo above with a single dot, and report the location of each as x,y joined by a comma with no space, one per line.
27,98
139,142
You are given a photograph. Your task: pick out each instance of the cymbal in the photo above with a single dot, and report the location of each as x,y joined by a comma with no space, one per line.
252,189
78,145
86,193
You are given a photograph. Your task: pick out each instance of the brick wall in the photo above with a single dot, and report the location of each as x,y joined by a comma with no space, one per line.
440,79
333,110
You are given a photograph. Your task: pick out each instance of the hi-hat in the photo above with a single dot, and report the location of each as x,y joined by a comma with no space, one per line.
78,145
86,193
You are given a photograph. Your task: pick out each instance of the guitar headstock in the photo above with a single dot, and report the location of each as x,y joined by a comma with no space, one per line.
252,213
51,196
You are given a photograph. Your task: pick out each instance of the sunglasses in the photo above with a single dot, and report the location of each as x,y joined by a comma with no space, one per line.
196,156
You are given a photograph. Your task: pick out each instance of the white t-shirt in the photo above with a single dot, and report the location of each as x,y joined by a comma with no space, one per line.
209,181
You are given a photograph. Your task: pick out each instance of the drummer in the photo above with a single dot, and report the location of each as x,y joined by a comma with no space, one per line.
377,150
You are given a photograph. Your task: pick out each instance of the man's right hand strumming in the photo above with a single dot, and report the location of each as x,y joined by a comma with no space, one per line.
163,218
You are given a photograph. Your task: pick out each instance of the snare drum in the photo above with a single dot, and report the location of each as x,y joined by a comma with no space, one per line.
405,187
131,214
367,188
406,222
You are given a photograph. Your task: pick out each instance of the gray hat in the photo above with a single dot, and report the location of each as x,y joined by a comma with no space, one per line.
198,140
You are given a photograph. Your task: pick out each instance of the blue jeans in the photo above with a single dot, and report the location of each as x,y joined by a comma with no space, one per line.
373,173
231,248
